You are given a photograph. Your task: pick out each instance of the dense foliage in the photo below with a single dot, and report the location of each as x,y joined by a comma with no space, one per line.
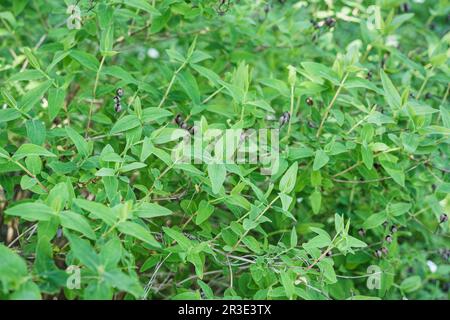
89,190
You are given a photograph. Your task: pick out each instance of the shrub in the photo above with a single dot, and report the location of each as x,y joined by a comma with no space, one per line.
97,95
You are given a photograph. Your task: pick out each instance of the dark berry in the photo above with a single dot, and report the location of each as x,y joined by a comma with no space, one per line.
362,232
119,92
388,238
285,117
118,107
394,229
178,119
330,22
378,253
116,99
385,250
443,218
309,101
405,7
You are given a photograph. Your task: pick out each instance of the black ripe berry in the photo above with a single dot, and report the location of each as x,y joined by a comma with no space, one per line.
329,253
385,250
362,232
285,117
388,238
428,96
385,224
378,253
330,22
394,229
369,75
119,92
116,99
405,7
118,107
443,218
178,119
309,101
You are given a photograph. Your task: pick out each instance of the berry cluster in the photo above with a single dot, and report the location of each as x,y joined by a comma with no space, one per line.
183,125
117,98
388,239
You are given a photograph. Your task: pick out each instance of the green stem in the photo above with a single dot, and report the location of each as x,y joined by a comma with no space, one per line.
327,111
93,95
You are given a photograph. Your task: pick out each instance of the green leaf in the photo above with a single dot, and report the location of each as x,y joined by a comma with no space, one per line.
320,160
395,172
390,92
180,238
155,114
288,284
27,291
338,223
398,209
27,75
31,58
56,98
285,201
164,135
294,238
9,115
119,73
123,282
84,252
204,212
32,211
188,295
85,59
98,210
133,166
80,143
36,131
126,123
107,39
367,156
13,269
411,284
28,149
32,97
139,232
217,174
316,201
77,222
143,5
287,182
151,210
190,86
375,220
